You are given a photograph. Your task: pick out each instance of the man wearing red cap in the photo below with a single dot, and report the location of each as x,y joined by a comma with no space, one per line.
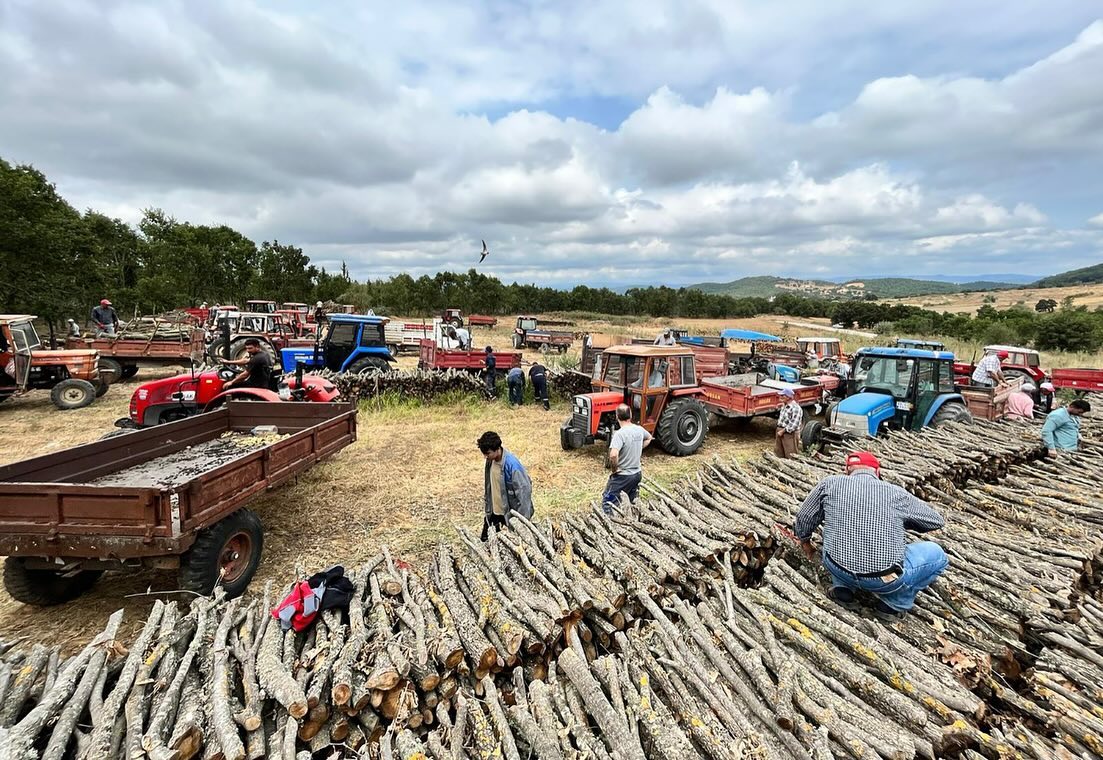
105,319
989,370
864,541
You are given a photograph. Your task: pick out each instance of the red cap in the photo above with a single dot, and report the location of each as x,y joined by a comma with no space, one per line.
105,302
863,459
1002,354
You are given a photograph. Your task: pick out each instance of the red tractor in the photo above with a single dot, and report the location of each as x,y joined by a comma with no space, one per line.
175,398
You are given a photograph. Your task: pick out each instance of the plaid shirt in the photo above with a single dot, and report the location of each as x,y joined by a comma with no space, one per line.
989,363
790,417
864,520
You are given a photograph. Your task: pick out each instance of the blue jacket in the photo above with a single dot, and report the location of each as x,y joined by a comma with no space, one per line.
517,487
1062,430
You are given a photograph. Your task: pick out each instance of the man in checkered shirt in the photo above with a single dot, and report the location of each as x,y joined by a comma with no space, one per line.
789,419
864,541
989,370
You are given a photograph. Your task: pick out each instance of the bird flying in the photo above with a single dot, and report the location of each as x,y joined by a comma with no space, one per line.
486,252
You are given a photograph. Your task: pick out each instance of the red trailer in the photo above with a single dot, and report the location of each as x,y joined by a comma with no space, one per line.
481,320
748,395
1085,380
120,356
433,357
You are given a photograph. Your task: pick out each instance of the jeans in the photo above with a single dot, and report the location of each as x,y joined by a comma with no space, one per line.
924,561
629,484
108,330
516,390
540,390
491,383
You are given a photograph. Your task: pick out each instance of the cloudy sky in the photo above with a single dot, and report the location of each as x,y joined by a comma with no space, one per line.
653,141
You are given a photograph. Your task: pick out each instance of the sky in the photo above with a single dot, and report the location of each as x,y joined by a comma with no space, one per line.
604,143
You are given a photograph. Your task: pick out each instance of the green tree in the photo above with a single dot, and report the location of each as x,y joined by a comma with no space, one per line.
1070,330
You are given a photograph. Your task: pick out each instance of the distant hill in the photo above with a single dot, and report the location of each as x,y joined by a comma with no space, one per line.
881,287
1086,276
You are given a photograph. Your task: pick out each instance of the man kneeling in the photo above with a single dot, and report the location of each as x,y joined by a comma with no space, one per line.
864,543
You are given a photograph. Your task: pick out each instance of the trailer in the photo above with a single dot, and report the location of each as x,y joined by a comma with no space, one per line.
988,403
527,333
1079,380
482,320
431,356
402,336
171,496
752,395
120,357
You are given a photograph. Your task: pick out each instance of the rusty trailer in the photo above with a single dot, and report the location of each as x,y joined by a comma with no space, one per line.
68,516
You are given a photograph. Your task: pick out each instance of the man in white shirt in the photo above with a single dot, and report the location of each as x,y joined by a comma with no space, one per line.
625,449
989,370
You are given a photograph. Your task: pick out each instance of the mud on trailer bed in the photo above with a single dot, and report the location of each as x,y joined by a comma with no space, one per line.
170,496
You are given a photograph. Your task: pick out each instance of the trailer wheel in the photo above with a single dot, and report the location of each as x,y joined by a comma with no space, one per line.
393,348
111,371
682,427
71,393
226,554
129,371
44,588
369,364
951,411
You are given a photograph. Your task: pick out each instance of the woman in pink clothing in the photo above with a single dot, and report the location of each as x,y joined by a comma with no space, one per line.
1020,404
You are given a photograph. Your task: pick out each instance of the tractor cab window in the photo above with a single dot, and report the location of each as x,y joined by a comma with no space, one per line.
682,371
1023,360
24,337
252,323
342,334
884,374
372,335
657,376
526,324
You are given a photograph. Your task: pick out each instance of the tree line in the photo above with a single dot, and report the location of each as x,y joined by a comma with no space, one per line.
57,262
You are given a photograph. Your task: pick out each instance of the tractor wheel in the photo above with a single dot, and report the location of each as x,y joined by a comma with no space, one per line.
951,411
215,352
564,439
682,427
456,322
111,371
369,364
238,352
393,348
811,435
224,554
73,394
129,371
101,386
517,340
116,433
44,588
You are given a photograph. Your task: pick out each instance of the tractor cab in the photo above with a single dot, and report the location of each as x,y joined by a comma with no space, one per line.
261,307
827,351
922,345
659,384
893,389
347,343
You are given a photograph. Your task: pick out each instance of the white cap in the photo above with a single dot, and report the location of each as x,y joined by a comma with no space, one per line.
1027,387
1047,386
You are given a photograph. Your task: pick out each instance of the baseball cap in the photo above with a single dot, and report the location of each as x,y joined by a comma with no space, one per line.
1047,386
863,459
1027,387
788,393
1002,354
104,302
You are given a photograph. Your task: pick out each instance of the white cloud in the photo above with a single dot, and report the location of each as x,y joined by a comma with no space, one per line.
395,140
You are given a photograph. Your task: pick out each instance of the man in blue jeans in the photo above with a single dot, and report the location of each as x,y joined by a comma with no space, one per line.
625,450
864,541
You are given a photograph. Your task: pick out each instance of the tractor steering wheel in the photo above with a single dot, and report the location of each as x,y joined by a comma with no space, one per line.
226,373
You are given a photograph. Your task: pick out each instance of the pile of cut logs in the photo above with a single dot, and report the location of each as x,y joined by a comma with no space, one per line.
423,385
678,628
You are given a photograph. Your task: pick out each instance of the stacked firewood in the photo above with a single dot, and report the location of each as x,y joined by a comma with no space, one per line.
566,384
422,385
657,631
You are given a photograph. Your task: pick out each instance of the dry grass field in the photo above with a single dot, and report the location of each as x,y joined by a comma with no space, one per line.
967,303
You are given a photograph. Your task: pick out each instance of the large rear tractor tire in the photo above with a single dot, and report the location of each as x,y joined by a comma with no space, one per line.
215,352
456,322
238,352
44,588
101,386
517,340
225,554
129,371
682,427
111,370
369,364
71,393
951,411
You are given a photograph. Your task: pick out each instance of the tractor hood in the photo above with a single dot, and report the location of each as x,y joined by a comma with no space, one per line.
864,404
67,354
605,399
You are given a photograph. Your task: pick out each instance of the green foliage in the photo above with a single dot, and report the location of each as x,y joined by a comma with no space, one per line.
1070,330
1085,276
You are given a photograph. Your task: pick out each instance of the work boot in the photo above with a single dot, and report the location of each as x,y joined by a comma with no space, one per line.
841,595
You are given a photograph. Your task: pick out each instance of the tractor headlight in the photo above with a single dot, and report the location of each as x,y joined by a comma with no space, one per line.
143,394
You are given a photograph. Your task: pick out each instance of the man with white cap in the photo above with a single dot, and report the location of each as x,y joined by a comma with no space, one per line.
865,543
104,318
789,420
1020,403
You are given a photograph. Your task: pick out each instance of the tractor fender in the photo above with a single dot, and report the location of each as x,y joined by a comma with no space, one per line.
252,394
380,352
939,403
678,392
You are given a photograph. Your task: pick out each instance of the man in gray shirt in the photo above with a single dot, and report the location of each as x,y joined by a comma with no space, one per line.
625,449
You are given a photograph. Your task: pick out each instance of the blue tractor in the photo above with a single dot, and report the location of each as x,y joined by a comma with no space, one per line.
892,389
346,343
